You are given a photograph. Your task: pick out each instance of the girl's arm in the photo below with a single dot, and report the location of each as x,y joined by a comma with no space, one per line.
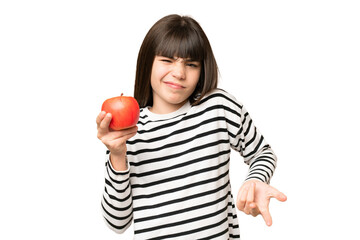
245,138
116,202
256,151
255,194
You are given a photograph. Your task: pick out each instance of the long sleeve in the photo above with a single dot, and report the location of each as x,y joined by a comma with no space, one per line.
247,139
256,151
117,202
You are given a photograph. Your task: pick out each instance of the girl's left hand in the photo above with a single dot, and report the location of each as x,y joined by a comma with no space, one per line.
254,198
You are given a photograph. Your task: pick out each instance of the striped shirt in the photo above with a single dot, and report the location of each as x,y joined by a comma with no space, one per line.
177,185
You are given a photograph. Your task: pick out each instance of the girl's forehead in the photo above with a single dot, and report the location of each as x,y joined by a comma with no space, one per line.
186,48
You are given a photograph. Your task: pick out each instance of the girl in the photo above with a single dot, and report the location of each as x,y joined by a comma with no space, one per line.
170,174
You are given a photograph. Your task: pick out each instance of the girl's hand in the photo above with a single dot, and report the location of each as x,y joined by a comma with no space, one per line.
254,198
115,141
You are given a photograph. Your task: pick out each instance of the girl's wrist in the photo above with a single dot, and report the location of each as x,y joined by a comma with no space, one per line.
118,162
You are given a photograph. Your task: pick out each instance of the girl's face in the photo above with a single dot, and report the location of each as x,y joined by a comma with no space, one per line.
173,80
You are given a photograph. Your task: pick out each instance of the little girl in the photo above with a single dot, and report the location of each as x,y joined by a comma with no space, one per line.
170,173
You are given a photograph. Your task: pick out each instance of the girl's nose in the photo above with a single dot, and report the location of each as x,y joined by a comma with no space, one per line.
178,71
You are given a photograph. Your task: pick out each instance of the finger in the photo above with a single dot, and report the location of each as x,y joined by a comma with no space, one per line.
254,211
266,216
241,201
119,136
274,193
281,197
104,124
130,132
99,118
251,193
250,198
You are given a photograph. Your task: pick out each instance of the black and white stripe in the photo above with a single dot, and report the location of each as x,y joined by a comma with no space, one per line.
177,185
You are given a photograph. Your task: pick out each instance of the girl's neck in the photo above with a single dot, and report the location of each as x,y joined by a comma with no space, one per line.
166,108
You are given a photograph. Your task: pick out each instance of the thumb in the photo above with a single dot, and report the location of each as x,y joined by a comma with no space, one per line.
280,197
274,193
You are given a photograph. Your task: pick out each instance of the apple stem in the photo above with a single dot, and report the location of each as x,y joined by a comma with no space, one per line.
122,94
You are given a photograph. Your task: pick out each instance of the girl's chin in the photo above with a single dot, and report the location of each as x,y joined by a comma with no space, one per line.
177,99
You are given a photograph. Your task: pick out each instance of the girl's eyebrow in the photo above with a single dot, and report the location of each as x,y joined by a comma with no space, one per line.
191,60
184,59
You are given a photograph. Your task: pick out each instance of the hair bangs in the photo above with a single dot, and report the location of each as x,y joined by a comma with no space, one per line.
182,44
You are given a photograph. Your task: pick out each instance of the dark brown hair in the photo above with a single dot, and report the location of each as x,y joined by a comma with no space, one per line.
175,36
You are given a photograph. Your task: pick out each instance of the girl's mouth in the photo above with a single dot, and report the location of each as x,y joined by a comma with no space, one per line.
174,85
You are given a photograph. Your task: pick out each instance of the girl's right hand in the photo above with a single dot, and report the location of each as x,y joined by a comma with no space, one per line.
115,141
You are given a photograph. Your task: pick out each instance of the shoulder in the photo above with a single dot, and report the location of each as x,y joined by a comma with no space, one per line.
220,96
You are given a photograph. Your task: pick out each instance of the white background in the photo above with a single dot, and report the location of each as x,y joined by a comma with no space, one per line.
294,64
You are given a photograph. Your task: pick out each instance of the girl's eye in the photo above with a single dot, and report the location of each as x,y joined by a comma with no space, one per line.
192,65
166,60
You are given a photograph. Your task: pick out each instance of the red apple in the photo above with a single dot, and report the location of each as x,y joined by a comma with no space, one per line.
124,110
